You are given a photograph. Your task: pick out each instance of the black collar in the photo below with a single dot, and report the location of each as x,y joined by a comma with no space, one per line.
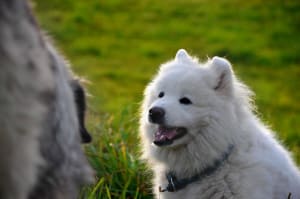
175,184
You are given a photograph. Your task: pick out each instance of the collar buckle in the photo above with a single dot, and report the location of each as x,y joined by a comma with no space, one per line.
172,183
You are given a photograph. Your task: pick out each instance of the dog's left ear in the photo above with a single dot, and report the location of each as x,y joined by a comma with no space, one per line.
223,71
79,95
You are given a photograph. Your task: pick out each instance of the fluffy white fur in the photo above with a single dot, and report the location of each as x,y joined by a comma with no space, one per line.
221,113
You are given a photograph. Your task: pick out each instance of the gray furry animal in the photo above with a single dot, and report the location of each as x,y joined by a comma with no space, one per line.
41,113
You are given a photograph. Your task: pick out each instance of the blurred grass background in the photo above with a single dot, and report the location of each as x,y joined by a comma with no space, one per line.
118,45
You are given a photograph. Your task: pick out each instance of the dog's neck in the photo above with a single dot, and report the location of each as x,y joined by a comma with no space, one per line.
175,184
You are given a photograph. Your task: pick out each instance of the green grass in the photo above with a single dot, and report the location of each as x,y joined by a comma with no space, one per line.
118,46
120,174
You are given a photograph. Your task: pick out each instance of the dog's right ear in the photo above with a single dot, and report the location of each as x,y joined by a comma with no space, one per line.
182,56
223,73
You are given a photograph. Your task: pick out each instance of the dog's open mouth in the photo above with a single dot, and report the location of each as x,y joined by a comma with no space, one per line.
166,135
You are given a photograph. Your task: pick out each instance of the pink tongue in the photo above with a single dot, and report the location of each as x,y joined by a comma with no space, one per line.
165,134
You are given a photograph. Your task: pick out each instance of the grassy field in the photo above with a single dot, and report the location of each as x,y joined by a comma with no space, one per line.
118,45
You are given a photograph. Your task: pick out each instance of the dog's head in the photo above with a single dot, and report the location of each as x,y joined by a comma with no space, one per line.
184,98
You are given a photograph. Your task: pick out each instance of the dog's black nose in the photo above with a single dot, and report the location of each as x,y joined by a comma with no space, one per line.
156,115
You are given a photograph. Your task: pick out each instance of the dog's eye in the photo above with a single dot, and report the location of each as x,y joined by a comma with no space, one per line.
161,94
185,101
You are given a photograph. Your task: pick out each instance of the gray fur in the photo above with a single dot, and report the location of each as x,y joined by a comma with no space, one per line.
40,150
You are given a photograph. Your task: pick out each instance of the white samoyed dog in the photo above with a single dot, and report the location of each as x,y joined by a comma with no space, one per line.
202,139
